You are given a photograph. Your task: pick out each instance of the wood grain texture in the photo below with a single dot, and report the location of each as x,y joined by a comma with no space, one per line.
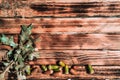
60,9
75,9
75,41
62,25
76,57
72,1
77,32
78,41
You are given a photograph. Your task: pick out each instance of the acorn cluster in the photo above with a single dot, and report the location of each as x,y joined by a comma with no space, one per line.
61,68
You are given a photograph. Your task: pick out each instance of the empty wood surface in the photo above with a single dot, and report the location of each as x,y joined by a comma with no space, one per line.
78,41
60,8
60,25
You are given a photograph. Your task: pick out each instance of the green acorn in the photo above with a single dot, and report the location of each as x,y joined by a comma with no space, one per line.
52,67
89,69
58,69
44,68
66,69
61,63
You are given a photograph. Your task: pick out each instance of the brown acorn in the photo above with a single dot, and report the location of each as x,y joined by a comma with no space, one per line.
58,74
48,72
74,72
75,67
38,68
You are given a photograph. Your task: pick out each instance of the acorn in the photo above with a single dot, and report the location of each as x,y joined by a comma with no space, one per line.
49,67
75,67
52,67
66,69
61,63
58,69
57,74
37,67
74,72
44,68
89,69
48,72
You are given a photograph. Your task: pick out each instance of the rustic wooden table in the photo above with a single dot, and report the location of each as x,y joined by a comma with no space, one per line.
78,32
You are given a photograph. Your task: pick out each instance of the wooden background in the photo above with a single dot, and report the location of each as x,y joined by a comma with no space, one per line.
78,32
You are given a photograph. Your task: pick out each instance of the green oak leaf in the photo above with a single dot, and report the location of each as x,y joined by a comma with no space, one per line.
11,42
5,63
9,53
8,41
24,28
21,52
28,69
31,56
4,39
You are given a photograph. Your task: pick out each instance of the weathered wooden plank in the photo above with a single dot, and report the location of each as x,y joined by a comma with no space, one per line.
58,25
78,41
79,57
75,41
101,73
76,57
72,1
74,9
59,9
